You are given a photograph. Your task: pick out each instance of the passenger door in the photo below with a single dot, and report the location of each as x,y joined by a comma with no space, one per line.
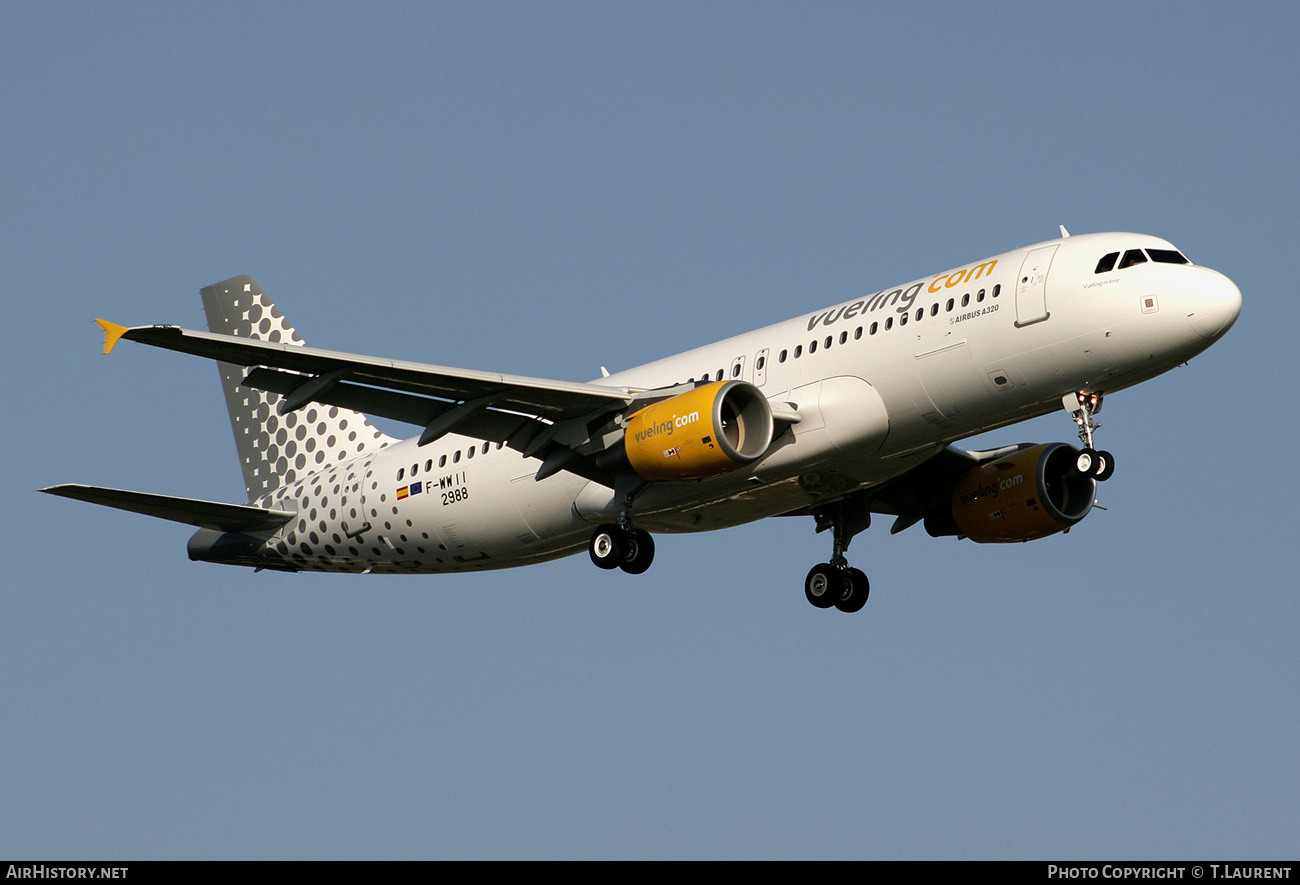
1031,287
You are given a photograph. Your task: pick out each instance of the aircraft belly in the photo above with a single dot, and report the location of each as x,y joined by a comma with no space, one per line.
746,502
743,505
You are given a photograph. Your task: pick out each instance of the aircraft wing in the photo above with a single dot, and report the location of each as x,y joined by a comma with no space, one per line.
553,400
564,424
193,511
927,486
911,495
559,422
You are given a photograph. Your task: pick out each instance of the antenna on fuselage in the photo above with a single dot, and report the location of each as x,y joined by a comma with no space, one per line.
1064,232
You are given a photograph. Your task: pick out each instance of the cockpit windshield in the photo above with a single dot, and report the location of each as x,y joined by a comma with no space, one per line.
1139,256
1132,257
1168,256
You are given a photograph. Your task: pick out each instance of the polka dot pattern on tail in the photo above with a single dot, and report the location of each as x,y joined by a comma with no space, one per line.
275,450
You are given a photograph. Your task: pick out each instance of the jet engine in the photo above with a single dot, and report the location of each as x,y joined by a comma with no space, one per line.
704,432
1028,495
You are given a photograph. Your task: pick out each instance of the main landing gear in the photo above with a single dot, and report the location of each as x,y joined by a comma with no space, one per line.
622,546
836,584
1089,462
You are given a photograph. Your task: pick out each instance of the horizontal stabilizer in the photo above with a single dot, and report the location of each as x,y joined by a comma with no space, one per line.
205,514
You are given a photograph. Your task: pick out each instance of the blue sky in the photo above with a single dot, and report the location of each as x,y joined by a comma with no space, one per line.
548,188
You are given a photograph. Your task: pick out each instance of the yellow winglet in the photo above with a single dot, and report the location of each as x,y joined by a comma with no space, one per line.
112,332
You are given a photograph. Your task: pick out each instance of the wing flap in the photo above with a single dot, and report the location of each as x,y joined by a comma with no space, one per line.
192,511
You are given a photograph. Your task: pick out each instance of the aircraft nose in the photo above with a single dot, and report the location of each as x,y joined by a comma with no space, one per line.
1215,307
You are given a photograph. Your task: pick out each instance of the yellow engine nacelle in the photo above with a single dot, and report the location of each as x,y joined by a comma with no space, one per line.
1031,494
705,432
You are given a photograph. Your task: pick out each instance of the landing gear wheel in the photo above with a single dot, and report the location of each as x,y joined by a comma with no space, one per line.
609,547
834,583
640,551
1105,466
1089,462
823,586
856,589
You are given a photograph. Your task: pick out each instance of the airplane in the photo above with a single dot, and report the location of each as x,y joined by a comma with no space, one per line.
838,414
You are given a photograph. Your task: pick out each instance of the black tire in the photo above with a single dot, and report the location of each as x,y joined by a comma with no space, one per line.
823,586
1106,466
640,552
608,547
856,590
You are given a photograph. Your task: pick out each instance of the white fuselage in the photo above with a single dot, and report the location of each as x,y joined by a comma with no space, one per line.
880,383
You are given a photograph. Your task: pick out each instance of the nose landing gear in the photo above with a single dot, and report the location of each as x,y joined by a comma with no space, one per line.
1083,407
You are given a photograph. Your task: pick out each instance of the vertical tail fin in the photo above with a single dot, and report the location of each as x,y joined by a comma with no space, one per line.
277,449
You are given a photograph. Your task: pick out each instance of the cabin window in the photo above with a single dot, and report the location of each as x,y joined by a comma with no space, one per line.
781,359
857,333
979,296
829,339
719,375
934,309
401,471
844,336
1107,263
948,306
1167,256
735,371
997,290
965,299
455,458
471,452
889,323
442,460
1132,257
920,312
874,327
798,351
760,363
812,347
428,465
902,320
